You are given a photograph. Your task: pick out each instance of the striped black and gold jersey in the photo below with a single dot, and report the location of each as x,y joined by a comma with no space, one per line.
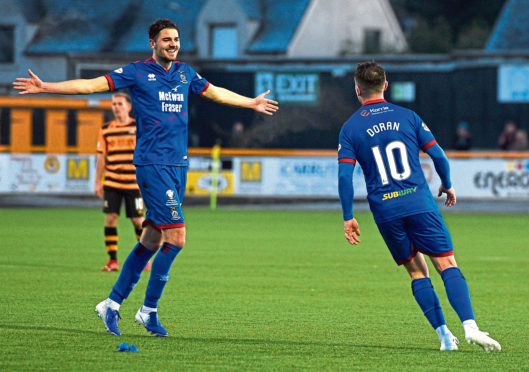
117,142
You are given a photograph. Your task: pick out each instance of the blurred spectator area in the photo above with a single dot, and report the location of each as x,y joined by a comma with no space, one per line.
443,91
315,100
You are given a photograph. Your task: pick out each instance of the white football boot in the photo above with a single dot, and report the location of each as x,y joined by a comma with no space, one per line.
477,337
448,340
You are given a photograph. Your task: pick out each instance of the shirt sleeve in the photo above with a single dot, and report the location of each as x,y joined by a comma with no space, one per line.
424,135
346,189
442,167
346,153
123,77
198,84
347,161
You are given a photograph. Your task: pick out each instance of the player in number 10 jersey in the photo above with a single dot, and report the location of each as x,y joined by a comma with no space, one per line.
379,136
386,139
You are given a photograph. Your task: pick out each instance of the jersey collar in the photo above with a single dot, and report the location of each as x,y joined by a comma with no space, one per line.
152,60
374,101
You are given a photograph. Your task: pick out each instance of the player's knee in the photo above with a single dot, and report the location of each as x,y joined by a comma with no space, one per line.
111,219
137,222
417,275
178,241
175,236
443,263
151,238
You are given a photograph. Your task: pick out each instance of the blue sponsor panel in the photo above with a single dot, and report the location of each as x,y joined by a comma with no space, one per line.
291,176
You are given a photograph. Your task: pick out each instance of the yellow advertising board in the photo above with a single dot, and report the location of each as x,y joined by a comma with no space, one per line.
251,171
199,183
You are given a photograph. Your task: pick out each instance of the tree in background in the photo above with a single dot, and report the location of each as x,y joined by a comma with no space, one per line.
441,26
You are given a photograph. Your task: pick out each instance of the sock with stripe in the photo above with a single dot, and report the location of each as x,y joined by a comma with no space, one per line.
428,301
138,232
458,293
111,242
160,273
130,273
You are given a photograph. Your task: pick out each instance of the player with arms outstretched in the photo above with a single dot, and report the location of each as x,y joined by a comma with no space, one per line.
159,87
385,140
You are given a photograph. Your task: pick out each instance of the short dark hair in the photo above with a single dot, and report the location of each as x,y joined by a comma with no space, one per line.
159,25
370,77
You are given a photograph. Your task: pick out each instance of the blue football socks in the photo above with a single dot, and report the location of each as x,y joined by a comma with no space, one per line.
457,293
130,273
160,273
427,299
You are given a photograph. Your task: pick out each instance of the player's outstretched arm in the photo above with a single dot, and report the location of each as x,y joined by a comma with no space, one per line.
34,85
227,97
450,195
352,231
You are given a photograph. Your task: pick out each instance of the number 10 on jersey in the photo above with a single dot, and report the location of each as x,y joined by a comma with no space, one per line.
390,157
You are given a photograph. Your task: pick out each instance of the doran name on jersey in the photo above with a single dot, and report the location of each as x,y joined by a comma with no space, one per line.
380,127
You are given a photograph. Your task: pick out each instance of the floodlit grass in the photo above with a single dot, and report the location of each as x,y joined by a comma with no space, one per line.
254,290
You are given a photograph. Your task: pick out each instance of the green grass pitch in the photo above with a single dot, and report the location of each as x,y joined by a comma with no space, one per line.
255,290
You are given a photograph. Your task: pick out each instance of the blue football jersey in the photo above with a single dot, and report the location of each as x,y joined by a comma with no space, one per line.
385,139
160,101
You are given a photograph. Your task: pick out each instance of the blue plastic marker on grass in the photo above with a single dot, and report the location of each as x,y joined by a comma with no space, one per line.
123,347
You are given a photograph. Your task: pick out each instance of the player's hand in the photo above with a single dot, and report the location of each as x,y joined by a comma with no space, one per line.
450,195
28,85
352,231
265,105
99,190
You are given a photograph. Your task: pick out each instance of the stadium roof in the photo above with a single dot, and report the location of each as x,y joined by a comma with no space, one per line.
103,26
121,25
511,31
281,19
32,10
182,12
251,7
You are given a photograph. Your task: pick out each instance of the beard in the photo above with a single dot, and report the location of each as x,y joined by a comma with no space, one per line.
162,57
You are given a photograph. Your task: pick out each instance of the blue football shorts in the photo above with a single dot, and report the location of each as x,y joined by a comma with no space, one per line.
162,188
423,232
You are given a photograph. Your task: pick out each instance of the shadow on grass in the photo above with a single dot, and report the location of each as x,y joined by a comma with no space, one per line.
251,341
227,340
47,329
49,266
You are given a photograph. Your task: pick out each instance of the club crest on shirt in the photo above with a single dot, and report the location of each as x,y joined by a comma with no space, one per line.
182,77
174,214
